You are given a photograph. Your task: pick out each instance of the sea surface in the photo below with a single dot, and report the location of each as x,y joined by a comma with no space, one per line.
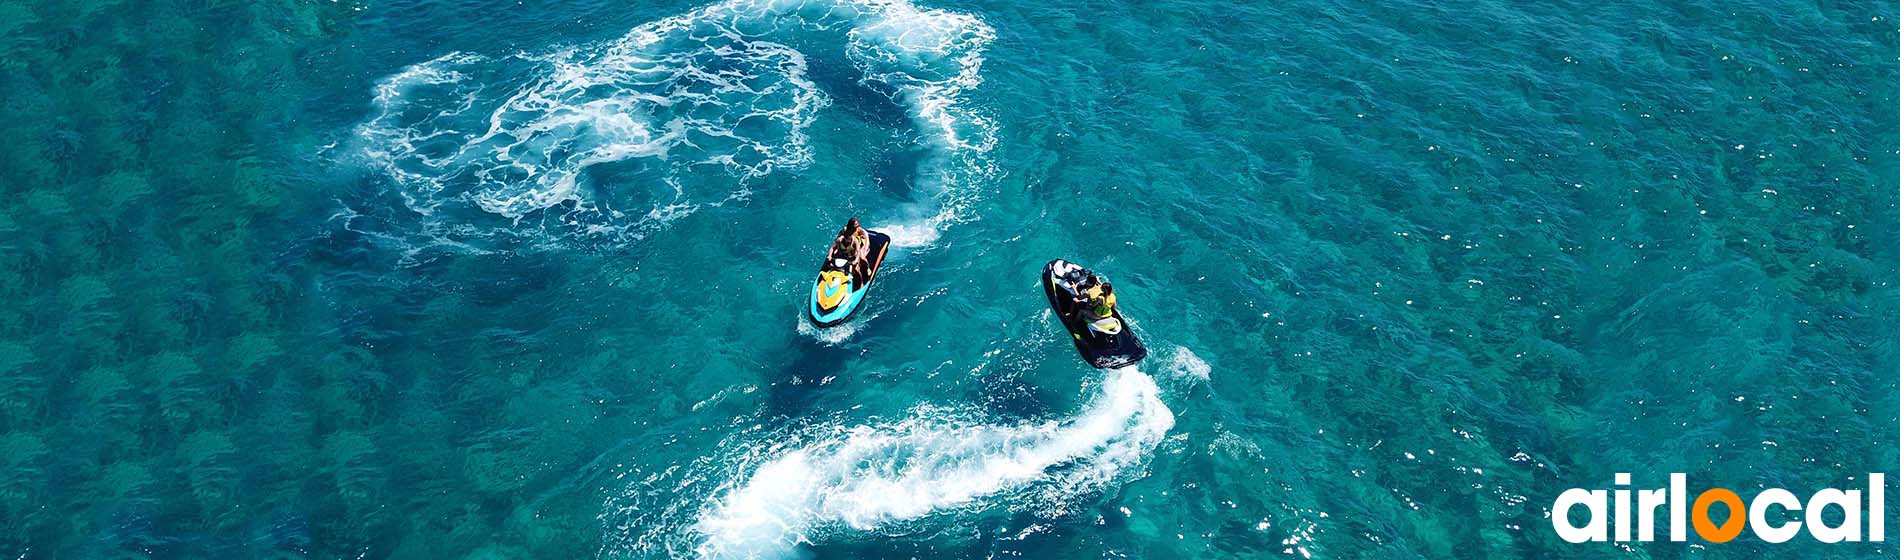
459,278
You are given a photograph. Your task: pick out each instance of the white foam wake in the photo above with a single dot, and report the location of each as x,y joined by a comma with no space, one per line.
869,478
680,113
838,334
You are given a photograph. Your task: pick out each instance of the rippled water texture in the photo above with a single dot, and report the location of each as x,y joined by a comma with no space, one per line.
472,279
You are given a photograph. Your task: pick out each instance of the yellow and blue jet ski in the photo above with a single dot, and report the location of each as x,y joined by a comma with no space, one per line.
838,292
1105,342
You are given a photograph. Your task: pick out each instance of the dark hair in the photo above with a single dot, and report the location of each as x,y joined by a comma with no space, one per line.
852,224
1108,289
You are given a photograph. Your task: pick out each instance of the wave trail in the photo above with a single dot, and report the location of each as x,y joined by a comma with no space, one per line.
625,136
837,481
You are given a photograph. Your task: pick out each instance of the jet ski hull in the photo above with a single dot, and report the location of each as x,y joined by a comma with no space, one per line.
833,303
1100,350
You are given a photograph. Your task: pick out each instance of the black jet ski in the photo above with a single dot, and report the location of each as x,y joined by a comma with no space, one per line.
837,295
1105,342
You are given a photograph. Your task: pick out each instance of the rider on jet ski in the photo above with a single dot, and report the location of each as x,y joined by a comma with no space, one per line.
852,250
1095,298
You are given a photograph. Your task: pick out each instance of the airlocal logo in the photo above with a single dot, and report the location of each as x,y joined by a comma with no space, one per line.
1754,516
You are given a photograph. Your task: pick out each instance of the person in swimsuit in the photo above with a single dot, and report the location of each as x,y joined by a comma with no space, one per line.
853,246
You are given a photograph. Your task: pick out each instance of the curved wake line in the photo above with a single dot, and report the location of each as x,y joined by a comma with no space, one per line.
838,481
685,112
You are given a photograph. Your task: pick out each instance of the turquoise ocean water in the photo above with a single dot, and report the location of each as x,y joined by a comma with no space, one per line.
447,278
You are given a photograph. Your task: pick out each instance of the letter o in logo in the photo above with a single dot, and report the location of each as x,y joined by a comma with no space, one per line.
1737,515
